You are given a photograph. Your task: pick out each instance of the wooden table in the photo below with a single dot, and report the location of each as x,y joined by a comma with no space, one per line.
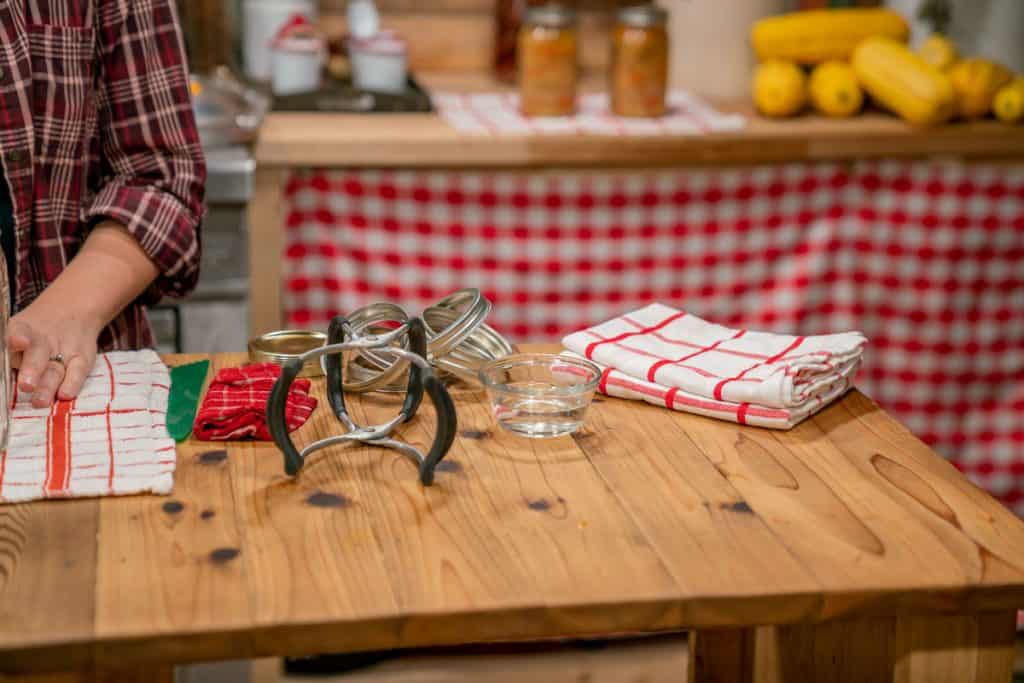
842,545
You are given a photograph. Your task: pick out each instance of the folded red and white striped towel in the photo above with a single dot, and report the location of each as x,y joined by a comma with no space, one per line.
669,357
235,406
112,440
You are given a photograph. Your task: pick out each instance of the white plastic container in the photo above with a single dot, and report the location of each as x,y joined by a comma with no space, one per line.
296,65
380,63
363,19
261,20
711,54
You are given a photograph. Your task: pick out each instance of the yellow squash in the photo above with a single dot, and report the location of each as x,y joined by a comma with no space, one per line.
902,81
780,88
817,36
939,51
976,82
1008,105
835,90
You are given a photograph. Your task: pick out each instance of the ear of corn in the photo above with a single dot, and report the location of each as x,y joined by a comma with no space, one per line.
816,36
902,81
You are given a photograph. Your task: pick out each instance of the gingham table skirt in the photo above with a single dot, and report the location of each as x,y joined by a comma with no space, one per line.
926,259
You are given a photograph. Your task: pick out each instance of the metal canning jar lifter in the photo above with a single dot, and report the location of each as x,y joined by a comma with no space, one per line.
422,380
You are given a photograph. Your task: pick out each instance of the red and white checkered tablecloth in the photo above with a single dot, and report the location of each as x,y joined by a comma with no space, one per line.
926,259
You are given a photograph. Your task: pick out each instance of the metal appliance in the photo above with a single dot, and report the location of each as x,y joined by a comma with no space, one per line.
215,317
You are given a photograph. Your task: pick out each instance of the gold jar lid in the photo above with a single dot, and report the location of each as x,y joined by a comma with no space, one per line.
553,16
643,16
284,345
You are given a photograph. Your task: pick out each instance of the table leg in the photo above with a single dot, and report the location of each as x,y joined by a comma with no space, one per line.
967,649
722,656
266,251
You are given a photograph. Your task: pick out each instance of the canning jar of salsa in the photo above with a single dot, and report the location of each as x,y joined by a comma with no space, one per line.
640,62
548,68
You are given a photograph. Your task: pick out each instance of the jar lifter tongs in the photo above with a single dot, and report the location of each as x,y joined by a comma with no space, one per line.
342,337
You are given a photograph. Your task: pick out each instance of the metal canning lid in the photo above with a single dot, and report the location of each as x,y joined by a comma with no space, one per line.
284,345
643,16
555,16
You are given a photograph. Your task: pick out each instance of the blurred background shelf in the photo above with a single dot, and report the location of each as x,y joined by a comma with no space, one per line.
417,140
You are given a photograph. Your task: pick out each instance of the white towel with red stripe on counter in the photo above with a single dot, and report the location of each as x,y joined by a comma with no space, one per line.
672,358
111,440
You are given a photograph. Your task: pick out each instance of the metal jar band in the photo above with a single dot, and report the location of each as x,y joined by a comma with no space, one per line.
459,341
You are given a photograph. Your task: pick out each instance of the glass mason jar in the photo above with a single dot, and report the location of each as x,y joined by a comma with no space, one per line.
640,52
548,65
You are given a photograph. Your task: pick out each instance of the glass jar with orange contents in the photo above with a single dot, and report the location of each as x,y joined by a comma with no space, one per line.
640,62
548,68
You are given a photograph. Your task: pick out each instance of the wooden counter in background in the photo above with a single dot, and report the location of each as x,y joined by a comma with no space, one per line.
296,140
420,140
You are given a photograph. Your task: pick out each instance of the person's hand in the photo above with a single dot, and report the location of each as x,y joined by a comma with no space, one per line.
42,333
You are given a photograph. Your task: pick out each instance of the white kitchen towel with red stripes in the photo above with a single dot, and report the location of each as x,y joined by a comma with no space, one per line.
669,357
112,440
498,114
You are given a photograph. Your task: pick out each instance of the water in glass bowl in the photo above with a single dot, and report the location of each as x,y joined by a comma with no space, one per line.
539,417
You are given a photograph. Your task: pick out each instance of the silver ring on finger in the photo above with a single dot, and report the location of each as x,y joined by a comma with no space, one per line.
58,358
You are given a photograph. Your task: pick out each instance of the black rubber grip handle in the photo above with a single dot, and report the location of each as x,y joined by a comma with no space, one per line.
333,367
414,392
447,425
276,421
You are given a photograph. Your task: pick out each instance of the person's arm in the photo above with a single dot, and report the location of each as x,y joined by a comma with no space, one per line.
147,206
108,273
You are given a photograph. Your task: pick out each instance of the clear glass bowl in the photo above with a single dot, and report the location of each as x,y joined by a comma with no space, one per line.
540,395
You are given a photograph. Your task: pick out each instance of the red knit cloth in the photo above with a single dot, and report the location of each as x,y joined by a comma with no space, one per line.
235,406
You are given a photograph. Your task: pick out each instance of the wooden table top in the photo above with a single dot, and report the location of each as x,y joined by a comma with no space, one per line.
646,520
425,140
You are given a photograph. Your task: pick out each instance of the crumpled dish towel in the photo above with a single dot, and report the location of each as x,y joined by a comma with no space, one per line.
669,357
235,406
112,440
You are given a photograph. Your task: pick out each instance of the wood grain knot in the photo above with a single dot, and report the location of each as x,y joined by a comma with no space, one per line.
322,499
224,555
207,514
584,437
173,507
914,486
540,504
449,466
213,457
739,506
474,434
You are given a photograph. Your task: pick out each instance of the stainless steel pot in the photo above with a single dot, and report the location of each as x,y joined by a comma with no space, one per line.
227,111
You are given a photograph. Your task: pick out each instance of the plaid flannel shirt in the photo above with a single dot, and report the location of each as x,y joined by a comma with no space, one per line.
96,123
